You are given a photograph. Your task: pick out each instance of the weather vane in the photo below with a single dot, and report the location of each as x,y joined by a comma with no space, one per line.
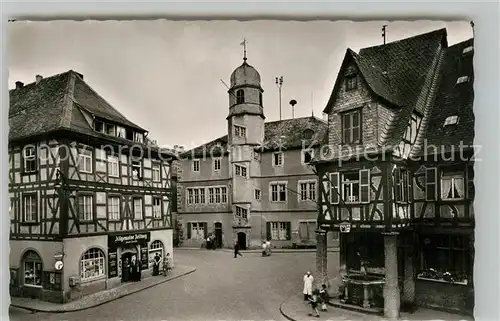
244,44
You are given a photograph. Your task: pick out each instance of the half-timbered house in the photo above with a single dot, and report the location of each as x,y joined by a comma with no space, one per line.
397,178
87,188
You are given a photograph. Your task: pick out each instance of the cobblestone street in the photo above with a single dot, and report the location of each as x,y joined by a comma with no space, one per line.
222,288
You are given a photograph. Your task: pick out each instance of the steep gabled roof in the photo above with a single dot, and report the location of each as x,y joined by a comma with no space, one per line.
287,134
395,72
58,102
453,99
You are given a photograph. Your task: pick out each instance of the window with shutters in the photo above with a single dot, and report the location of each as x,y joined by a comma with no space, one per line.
198,230
350,187
307,230
278,191
279,231
351,127
430,184
452,185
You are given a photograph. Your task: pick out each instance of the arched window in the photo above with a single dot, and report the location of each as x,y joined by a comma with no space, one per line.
92,264
32,264
260,99
240,96
156,247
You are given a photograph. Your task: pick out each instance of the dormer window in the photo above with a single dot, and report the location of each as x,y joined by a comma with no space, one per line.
120,132
99,126
467,50
110,129
451,120
462,79
308,133
240,96
138,138
351,127
307,156
351,82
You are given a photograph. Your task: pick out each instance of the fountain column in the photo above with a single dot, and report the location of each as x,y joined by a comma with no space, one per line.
321,257
391,286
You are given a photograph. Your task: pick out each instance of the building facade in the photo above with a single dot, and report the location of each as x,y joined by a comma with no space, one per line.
397,178
88,191
254,183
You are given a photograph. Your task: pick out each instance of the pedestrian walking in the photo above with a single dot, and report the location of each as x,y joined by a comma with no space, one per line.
213,242
209,243
237,249
167,264
313,300
156,264
308,285
323,295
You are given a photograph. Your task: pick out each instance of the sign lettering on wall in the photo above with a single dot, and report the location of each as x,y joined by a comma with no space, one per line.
126,239
112,263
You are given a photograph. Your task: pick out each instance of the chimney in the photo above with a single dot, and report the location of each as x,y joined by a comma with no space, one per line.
19,84
38,78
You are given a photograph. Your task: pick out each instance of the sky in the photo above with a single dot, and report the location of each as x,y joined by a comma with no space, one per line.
165,76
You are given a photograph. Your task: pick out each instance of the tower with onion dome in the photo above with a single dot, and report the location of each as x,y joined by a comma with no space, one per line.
245,134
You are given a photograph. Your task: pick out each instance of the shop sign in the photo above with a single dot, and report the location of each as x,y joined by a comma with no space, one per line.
112,263
123,239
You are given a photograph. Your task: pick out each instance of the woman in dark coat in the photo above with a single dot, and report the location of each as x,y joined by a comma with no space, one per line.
135,269
126,271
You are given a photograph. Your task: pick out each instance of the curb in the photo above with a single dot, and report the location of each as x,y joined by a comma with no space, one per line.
331,250
93,305
283,312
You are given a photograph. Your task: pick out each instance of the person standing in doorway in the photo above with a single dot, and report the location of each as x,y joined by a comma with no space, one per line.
135,269
308,285
209,242
126,271
237,249
156,264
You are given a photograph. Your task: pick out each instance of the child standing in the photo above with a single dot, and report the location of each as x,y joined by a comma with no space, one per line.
314,303
323,294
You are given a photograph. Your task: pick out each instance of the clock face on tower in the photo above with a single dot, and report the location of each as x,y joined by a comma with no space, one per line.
58,265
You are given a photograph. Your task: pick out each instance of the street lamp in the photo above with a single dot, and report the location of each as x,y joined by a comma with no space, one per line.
279,83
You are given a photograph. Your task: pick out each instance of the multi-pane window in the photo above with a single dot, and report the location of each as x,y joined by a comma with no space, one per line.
120,132
85,207
278,192
307,191
452,185
114,208
240,170
29,158
240,96
351,82
156,207
351,127
156,172
30,214
211,195
92,265
32,269
240,131
350,187
138,138
217,162
241,212
278,159
258,194
196,165
279,230
223,191
136,170
113,167
197,230
401,185
85,161
137,208
196,195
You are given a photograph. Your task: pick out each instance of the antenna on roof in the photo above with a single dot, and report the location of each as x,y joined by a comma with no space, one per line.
383,32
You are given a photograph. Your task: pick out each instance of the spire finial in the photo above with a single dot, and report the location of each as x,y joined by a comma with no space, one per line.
244,44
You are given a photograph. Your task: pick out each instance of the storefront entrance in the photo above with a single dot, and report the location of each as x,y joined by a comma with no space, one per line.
242,240
218,234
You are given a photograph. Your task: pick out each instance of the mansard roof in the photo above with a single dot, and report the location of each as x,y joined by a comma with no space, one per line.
285,134
395,72
59,102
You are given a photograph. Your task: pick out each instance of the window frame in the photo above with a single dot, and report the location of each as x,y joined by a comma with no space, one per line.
352,128
194,166
111,163
240,170
101,258
32,158
200,226
134,207
240,96
351,82
36,261
140,167
281,156
243,212
278,191
156,168
308,190
34,206
279,228
83,157
153,205
83,217
257,194
353,187
109,205
303,156
452,175
217,161
240,131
